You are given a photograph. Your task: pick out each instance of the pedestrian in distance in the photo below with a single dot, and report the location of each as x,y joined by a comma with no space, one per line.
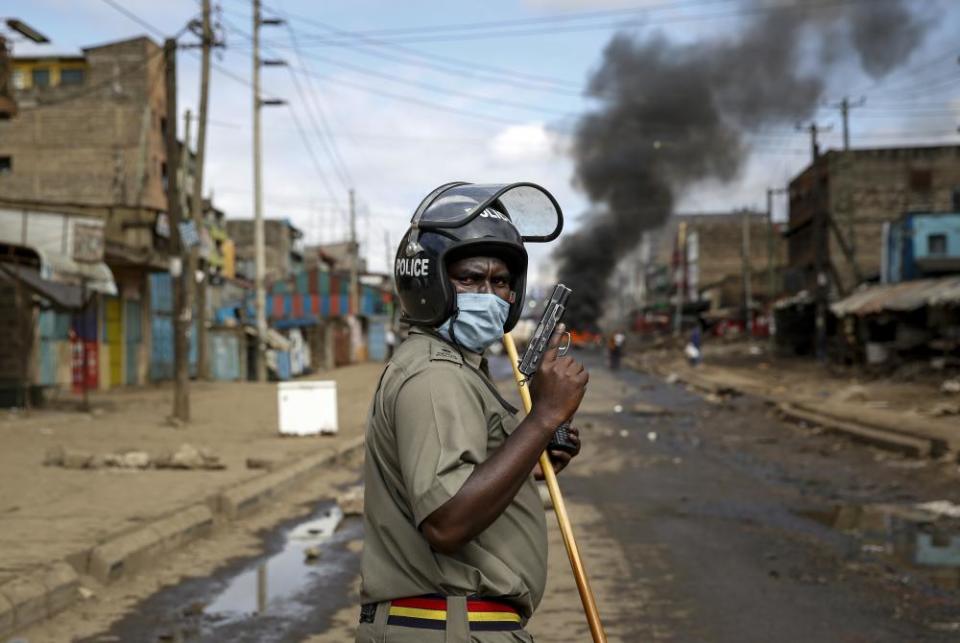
455,543
615,344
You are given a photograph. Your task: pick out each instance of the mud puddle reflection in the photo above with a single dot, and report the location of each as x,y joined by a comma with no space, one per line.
284,595
921,540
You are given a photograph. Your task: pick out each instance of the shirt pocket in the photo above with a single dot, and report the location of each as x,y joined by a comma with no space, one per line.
500,424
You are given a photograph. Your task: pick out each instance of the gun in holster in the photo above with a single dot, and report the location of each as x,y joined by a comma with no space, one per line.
533,356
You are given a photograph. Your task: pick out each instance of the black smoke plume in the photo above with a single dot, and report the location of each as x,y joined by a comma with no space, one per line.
673,115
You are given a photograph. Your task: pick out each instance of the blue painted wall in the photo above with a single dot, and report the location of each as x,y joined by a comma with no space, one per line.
925,225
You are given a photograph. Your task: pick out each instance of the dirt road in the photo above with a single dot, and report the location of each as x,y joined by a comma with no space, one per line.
698,521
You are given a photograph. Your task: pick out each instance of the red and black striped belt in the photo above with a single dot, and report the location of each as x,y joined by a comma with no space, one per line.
430,612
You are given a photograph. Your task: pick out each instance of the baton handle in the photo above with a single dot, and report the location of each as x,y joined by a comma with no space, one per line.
566,528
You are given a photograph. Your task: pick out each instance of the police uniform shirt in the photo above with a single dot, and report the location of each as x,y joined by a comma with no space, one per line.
434,418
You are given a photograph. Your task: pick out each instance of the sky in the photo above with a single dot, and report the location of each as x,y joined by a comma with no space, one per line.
393,98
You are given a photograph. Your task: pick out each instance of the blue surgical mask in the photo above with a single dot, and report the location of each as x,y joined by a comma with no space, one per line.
479,322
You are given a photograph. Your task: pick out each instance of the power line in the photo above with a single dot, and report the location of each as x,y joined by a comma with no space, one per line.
247,83
134,17
804,6
500,102
333,148
447,64
322,131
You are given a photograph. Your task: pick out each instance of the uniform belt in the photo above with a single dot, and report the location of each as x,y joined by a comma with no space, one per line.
430,612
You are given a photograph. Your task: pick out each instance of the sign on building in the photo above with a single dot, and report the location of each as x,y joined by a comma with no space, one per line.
87,243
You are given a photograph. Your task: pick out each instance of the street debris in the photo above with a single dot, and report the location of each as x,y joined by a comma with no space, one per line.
940,508
652,436
624,433
262,463
186,457
319,528
85,593
944,409
618,408
950,386
641,408
351,501
190,457
672,378
127,460
311,553
852,393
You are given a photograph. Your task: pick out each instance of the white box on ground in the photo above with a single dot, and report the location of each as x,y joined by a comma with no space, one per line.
307,408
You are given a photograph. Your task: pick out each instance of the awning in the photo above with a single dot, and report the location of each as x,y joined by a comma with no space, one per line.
900,297
60,295
70,247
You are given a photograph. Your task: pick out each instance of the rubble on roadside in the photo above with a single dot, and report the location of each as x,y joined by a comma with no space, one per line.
944,409
351,501
185,457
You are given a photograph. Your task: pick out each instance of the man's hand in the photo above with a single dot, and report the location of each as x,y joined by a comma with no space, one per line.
558,387
561,459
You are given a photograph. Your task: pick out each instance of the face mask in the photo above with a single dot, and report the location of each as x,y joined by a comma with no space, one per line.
479,322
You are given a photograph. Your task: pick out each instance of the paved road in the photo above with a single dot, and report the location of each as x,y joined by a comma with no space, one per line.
739,527
699,520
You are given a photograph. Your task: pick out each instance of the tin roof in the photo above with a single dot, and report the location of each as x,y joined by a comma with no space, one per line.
900,297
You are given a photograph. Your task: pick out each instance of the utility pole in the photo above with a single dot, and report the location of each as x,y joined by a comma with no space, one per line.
207,42
680,277
258,240
354,256
746,268
845,106
814,131
771,259
771,245
258,235
181,313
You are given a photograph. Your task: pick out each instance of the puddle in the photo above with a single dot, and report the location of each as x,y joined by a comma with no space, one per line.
283,595
272,585
923,538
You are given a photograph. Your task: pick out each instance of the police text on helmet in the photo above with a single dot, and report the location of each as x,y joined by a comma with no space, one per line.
419,267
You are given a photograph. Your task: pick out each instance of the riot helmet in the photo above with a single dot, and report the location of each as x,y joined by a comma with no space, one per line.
458,220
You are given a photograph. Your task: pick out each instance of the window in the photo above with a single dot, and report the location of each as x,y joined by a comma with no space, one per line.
41,77
937,244
71,76
921,180
18,79
6,164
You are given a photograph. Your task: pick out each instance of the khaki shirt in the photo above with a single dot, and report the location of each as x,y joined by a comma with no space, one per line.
434,417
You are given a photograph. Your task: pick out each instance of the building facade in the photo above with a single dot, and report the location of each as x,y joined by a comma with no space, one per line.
841,202
283,248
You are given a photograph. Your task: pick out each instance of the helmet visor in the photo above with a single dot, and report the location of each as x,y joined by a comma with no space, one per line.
531,209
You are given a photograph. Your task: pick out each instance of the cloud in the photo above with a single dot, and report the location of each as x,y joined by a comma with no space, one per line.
523,144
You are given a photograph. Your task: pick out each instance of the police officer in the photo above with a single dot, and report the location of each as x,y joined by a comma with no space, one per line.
455,535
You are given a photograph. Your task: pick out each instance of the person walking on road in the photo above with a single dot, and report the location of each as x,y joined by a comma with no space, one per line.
455,535
615,344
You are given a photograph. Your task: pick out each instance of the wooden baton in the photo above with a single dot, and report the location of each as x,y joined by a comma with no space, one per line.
566,529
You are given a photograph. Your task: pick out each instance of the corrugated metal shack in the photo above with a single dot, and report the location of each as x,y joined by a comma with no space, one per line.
314,311
890,323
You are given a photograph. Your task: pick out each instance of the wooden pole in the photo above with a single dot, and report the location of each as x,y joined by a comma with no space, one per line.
197,210
181,313
566,529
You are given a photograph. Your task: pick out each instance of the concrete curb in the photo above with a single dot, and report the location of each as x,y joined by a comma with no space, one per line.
879,433
133,550
28,599
245,498
916,446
